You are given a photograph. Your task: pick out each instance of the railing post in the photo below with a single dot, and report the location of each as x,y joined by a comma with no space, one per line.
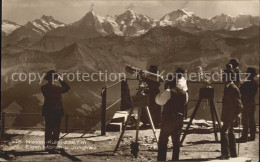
3,126
103,111
123,95
66,123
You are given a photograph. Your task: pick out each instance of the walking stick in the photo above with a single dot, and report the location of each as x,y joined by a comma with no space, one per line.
238,134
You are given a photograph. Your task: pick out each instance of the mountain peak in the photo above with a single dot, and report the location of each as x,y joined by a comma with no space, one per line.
91,12
178,15
47,18
185,11
130,11
9,22
9,26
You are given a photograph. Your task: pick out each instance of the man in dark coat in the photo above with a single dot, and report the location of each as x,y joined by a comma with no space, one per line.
248,92
53,109
174,100
231,108
234,66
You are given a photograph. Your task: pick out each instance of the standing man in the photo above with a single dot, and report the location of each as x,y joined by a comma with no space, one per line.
234,66
53,109
248,92
173,100
231,108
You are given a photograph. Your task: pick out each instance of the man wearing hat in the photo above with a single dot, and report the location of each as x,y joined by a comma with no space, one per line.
173,99
248,92
231,107
53,109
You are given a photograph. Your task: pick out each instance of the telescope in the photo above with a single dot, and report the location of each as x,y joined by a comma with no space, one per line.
144,74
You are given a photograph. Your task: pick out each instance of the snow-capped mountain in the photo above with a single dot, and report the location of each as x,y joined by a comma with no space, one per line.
172,18
89,26
228,22
9,26
32,31
185,20
44,24
92,25
134,24
188,21
222,21
245,21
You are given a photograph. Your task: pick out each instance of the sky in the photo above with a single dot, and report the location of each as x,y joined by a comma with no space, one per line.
69,11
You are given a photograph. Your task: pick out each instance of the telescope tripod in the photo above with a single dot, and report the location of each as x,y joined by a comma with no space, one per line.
205,93
141,101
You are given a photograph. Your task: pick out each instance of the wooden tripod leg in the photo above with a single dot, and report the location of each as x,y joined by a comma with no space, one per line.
213,120
215,112
151,122
192,117
124,128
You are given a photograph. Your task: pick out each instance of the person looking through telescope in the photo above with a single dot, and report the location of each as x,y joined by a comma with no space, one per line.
174,100
155,109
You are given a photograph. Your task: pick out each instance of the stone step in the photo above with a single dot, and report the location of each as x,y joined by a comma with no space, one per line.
119,117
114,127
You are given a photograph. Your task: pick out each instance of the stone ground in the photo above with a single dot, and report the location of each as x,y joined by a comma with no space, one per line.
28,146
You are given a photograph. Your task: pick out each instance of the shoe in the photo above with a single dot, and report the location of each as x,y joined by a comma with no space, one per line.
223,157
234,156
241,140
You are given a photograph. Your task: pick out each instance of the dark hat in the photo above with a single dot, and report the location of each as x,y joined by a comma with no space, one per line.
251,71
153,69
234,62
49,75
180,70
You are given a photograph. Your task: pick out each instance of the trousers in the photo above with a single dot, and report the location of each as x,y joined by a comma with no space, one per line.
171,126
52,130
248,120
228,141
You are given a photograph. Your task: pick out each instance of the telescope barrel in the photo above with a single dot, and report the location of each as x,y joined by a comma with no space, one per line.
152,76
132,70
144,74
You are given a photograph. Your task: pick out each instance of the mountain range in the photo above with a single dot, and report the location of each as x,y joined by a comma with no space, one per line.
38,33
95,43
